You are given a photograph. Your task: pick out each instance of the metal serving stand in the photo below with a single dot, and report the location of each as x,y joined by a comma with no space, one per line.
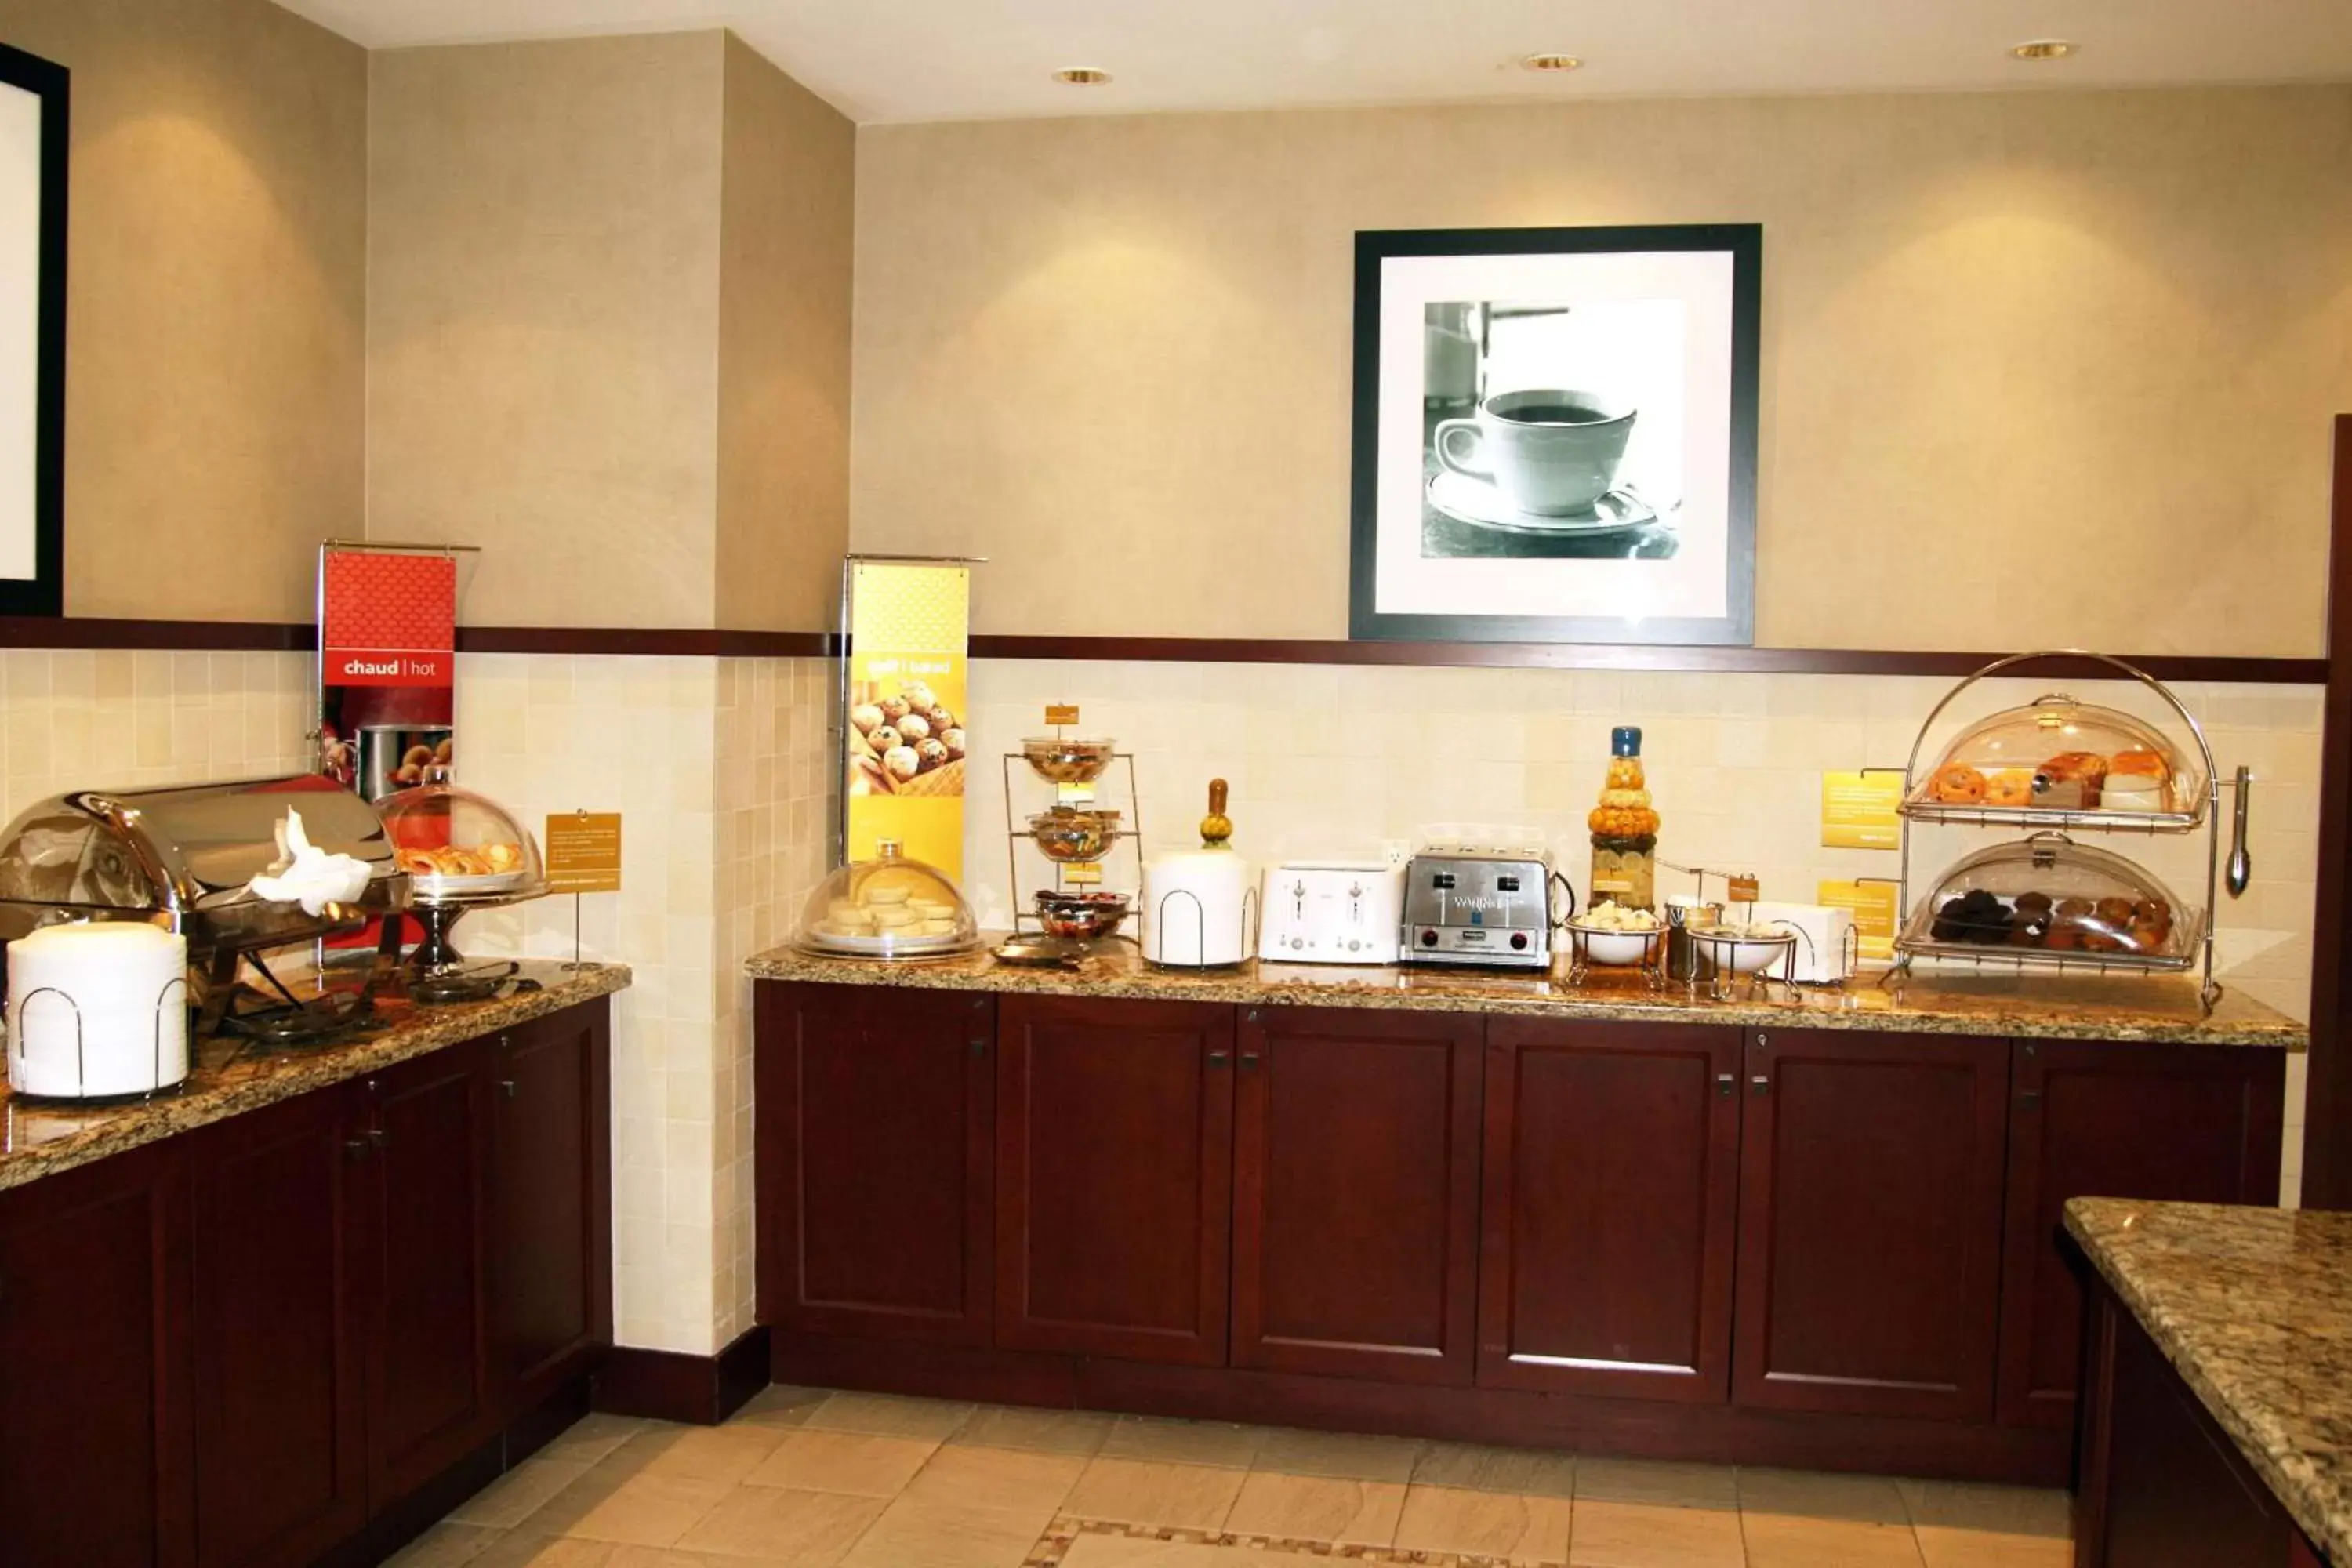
2234,874
1024,920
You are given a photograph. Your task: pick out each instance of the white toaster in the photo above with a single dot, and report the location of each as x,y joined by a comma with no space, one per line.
1330,911
1826,950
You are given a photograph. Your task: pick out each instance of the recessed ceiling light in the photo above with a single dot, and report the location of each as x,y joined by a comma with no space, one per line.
1551,63
2044,49
1082,76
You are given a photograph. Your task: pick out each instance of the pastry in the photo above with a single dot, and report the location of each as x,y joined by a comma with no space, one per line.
952,739
2075,910
895,709
2062,939
914,727
2070,781
1957,785
2115,913
902,762
930,754
916,695
2137,764
2033,904
867,717
938,718
2011,786
882,738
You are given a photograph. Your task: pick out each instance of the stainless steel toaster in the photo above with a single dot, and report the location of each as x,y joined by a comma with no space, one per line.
1467,903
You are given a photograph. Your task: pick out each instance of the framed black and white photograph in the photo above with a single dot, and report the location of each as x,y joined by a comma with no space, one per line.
1555,434
33,110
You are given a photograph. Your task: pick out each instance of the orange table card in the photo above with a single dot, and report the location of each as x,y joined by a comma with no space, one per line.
584,852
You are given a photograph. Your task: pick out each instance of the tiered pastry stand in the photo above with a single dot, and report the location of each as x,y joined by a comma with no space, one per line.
1024,917
2206,813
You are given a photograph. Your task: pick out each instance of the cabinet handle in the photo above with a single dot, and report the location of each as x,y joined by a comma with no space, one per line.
1249,1060
356,1148
1216,1058
1762,1039
1252,1014
979,1047
2029,1097
507,1088
1759,1084
1723,1081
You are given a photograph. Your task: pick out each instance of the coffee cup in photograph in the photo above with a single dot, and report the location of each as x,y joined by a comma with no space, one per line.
1550,451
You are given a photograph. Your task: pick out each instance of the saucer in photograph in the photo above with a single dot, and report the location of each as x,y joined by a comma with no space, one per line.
1481,505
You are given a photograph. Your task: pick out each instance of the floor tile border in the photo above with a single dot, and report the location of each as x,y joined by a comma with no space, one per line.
1063,1533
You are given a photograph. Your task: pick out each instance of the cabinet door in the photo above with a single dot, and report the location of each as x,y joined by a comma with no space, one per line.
875,1128
2193,1123
1612,1184
1114,1161
1870,1223
280,1428
550,1200
93,1402
1355,1193
429,1362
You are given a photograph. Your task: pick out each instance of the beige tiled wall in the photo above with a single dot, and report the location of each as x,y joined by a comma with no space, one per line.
712,765
1327,760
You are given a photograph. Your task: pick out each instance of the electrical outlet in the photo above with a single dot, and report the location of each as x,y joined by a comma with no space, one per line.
1396,851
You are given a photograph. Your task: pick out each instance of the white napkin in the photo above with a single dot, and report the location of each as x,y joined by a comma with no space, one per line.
310,876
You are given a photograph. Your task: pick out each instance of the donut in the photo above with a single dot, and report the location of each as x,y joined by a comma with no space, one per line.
1957,785
2011,786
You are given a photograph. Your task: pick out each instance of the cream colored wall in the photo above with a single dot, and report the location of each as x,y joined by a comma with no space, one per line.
215,302
2036,367
543,319
783,350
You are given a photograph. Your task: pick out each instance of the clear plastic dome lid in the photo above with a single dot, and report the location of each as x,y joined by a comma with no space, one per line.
2058,755
459,847
2047,895
889,907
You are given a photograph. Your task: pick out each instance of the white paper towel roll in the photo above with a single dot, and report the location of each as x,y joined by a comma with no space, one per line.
97,1010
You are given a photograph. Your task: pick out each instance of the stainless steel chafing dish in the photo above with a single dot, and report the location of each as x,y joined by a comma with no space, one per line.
181,857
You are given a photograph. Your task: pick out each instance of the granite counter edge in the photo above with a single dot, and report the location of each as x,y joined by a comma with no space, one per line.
168,1116
2296,1489
1248,990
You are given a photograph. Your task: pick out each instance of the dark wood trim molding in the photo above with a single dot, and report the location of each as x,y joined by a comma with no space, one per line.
1594,656
647,641
668,1385
2327,1091
197,636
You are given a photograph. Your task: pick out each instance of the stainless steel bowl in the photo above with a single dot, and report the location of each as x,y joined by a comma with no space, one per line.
1081,917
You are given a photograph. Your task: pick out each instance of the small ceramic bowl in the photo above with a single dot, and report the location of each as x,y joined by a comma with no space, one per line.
1616,949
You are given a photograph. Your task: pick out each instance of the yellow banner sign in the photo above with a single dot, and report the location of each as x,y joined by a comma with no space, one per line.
584,852
1872,904
1858,810
909,623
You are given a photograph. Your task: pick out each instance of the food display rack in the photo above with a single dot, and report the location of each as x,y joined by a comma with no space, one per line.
1025,917
2197,952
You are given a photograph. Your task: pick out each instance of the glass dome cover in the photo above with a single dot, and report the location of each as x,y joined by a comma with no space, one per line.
2046,898
2058,756
890,907
460,847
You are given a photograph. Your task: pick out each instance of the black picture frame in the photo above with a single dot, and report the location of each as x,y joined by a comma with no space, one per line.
44,592
1743,244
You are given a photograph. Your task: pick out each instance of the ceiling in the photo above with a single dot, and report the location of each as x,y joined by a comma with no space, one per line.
884,60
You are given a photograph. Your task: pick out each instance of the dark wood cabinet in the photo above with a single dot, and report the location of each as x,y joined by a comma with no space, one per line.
280,1425
94,1440
426,1191
551,1202
1611,1182
877,1138
1355,1193
1870,1223
2194,1124
1114,1178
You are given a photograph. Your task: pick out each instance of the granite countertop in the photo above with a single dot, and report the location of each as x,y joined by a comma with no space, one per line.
2253,1308
40,1139
2038,1007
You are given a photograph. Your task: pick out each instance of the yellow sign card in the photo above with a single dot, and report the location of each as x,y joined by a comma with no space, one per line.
584,852
909,621
1858,810
1872,904
1059,714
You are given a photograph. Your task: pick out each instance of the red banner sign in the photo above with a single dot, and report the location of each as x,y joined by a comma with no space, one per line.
389,619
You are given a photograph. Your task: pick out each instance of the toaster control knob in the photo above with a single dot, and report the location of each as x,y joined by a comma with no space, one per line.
1519,940
1429,939
1296,942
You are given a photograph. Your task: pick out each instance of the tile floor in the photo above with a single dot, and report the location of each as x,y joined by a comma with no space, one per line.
807,1479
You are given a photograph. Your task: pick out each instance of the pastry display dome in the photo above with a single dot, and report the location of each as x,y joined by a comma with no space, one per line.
2047,899
2056,755
890,907
460,847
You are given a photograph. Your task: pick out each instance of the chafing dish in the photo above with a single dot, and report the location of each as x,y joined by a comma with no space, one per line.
181,859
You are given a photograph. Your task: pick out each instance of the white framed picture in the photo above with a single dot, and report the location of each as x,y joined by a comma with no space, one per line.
33,137
1555,434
